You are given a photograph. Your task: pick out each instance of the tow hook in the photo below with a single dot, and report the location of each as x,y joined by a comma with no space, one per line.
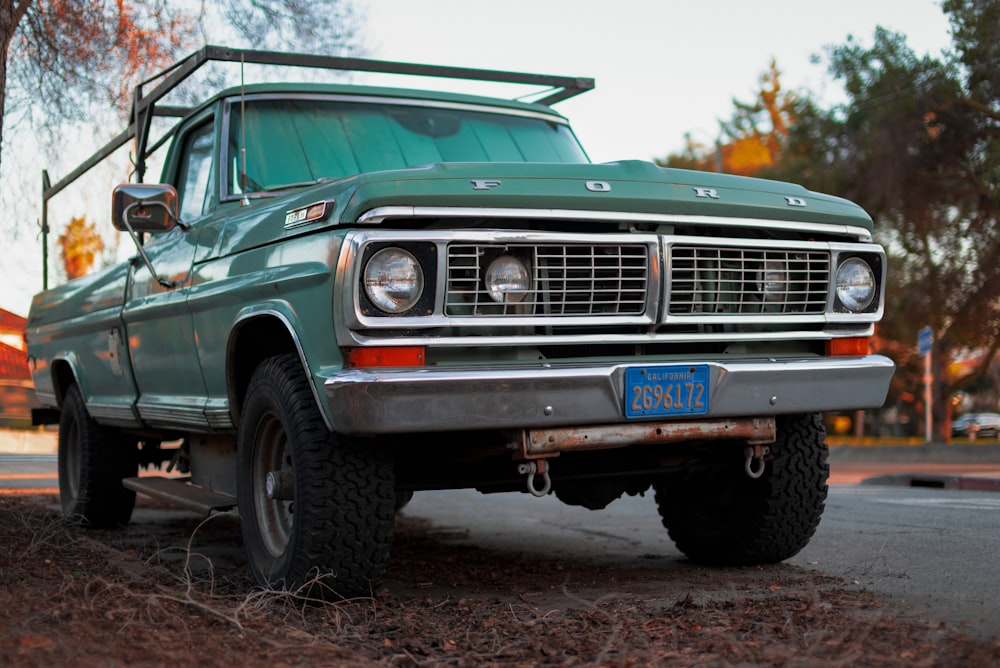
533,468
755,464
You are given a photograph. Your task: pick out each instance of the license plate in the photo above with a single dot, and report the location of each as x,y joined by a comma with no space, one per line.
678,389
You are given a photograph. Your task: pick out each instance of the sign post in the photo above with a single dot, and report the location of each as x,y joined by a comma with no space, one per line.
925,341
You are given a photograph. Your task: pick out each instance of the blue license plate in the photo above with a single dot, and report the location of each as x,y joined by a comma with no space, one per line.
677,389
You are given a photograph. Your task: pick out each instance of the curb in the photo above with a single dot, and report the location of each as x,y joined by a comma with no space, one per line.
929,480
937,453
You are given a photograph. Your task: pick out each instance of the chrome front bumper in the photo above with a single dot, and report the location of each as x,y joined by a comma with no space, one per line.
552,395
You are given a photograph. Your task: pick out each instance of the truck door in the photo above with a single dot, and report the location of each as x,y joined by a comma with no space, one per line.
161,338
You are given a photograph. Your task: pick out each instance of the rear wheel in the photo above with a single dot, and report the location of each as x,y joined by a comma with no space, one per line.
93,460
316,510
721,516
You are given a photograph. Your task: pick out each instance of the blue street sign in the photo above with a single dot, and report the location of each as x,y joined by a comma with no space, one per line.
924,340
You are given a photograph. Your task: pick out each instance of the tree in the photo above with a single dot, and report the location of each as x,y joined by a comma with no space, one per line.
62,50
753,140
80,245
82,59
918,145
94,51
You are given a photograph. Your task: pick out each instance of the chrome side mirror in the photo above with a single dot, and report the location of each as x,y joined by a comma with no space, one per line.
144,207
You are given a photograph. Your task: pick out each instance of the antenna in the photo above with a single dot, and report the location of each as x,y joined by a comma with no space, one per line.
244,201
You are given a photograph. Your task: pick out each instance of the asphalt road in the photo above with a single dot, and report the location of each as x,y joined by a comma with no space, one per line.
931,551
919,535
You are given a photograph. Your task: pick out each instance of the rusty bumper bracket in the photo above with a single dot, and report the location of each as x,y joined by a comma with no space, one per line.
549,442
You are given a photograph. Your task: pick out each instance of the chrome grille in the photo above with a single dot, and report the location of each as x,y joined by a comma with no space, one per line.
567,279
736,281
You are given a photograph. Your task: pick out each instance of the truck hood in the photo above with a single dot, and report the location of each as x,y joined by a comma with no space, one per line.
626,191
629,186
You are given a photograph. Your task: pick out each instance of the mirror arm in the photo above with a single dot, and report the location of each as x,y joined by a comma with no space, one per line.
142,252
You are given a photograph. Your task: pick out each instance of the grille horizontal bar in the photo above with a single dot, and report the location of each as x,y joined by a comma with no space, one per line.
728,281
566,280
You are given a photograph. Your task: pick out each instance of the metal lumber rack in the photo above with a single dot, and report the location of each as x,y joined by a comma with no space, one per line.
144,106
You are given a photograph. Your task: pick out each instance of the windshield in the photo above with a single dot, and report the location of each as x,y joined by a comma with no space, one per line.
302,140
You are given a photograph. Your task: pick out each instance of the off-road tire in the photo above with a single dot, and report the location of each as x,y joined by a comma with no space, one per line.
92,462
331,537
720,516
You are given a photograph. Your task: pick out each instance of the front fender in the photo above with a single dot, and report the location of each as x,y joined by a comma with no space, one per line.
274,328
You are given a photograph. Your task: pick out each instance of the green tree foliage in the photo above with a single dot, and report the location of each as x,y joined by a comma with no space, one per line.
918,145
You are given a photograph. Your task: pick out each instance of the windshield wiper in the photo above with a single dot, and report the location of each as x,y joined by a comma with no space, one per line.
298,184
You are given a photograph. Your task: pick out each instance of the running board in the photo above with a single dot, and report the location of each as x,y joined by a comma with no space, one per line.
180,492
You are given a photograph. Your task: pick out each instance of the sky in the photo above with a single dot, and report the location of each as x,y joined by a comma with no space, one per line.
663,68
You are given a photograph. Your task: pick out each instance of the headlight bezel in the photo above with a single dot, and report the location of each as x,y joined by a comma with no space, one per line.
421,255
844,301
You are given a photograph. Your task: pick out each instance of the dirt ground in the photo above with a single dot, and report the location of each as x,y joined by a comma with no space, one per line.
177,592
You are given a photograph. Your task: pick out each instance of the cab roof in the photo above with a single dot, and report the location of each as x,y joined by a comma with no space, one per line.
144,105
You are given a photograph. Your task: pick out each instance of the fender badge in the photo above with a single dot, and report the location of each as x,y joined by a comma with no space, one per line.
710,193
795,201
308,214
598,186
485,184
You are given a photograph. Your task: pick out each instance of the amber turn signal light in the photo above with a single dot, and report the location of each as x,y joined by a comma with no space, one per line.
852,347
387,356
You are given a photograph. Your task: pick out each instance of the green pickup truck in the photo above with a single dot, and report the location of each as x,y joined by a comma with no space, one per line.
345,294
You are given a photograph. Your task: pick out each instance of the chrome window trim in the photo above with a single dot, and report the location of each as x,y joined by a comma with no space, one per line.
381,214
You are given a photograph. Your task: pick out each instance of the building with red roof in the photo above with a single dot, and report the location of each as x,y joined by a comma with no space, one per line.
17,393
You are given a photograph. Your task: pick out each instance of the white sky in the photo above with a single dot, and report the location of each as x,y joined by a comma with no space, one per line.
662,67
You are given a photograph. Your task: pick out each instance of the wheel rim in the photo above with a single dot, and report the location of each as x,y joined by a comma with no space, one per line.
274,516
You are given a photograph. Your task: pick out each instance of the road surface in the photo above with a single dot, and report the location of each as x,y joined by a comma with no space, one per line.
925,543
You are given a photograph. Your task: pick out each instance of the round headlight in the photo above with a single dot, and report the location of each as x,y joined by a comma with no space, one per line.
855,284
772,281
394,280
507,280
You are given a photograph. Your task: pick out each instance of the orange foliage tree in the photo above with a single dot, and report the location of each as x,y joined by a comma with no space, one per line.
79,246
57,49
79,56
752,141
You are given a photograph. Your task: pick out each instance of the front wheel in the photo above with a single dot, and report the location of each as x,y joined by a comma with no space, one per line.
93,460
720,516
316,511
